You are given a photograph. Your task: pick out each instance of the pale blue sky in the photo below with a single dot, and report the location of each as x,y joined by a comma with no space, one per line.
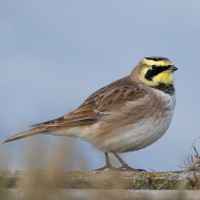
54,54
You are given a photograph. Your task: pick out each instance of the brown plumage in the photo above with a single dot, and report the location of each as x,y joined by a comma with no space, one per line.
103,101
126,115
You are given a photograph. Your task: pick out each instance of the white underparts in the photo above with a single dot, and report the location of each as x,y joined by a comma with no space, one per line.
135,136
130,137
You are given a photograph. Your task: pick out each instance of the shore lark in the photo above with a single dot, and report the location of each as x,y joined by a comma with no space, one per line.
126,115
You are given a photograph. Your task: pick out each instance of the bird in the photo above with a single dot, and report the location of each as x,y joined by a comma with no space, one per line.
127,115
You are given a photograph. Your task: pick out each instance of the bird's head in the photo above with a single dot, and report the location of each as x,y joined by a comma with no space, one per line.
154,70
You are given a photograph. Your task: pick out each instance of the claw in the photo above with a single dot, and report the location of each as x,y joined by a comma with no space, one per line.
127,168
106,167
124,166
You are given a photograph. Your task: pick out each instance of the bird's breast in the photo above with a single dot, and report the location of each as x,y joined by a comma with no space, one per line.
138,134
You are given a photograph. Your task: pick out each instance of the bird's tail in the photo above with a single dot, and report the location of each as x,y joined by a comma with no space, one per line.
34,131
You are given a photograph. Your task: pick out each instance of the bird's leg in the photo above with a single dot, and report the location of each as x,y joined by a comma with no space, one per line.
124,166
108,164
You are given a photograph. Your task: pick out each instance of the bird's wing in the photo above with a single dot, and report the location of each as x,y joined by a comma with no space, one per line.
97,105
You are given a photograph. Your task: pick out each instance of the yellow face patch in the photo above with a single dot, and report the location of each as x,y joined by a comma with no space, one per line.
157,63
165,77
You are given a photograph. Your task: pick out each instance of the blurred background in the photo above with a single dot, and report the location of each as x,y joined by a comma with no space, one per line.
54,54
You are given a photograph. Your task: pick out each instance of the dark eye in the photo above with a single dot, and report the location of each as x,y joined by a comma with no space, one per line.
154,67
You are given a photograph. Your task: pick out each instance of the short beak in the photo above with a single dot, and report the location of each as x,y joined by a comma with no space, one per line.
172,68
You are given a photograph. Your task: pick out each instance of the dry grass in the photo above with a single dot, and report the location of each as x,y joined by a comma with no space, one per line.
193,164
192,169
61,158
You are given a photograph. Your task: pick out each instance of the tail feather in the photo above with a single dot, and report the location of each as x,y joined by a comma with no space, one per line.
31,132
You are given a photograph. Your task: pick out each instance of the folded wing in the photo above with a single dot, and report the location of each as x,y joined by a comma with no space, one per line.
97,105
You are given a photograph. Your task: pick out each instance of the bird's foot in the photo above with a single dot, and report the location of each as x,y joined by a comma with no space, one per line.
122,168
127,168
110,167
